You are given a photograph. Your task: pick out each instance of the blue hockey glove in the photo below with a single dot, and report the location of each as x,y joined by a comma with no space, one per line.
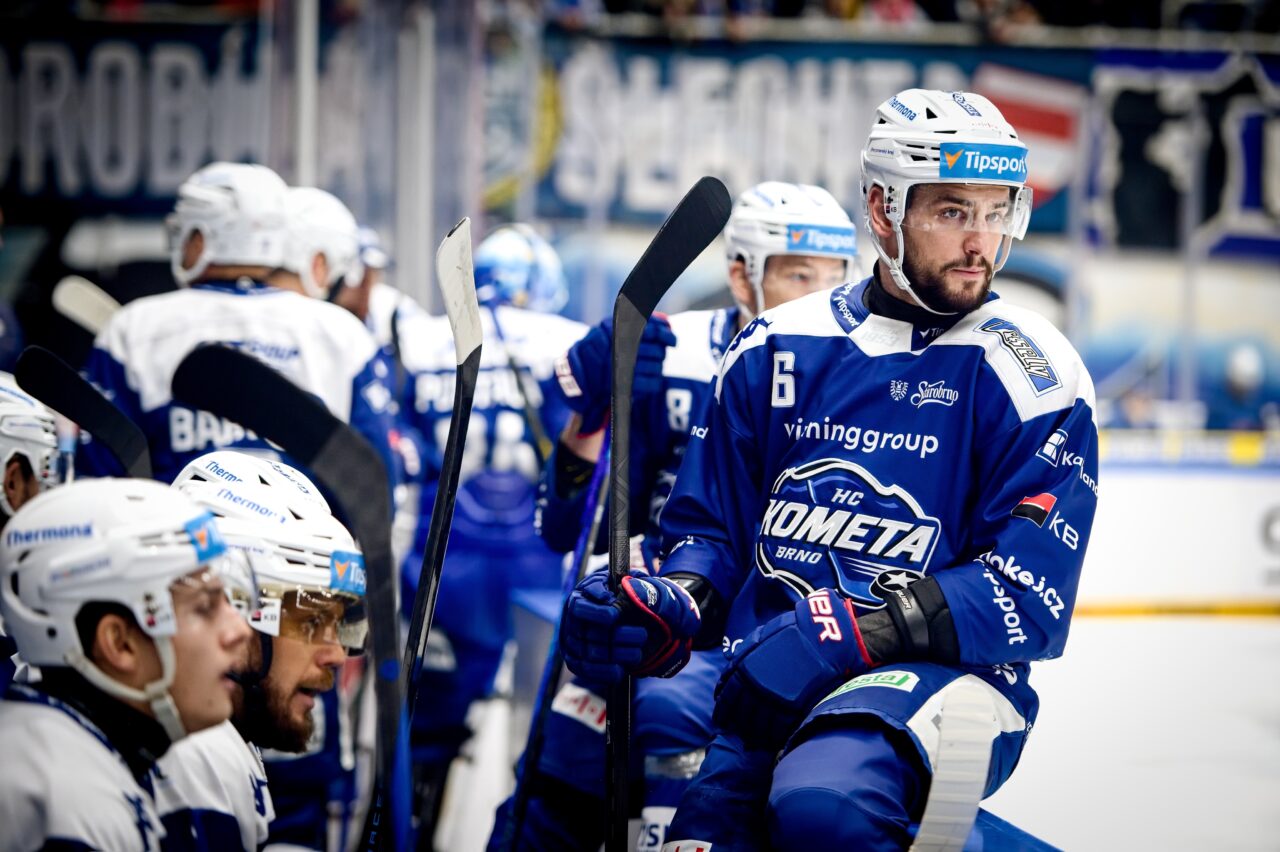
646,630
585,376
785,666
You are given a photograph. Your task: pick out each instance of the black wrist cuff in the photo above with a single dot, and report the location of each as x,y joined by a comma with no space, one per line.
572,472
711,606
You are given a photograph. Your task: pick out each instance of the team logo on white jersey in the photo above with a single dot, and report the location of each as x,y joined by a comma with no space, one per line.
832,523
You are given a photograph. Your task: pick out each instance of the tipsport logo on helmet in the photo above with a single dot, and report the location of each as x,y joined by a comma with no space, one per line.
346,572
984,162
205,537
821,239
831,523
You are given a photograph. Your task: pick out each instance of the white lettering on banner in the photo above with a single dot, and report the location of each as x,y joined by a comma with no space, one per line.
844,530
141,118
629,137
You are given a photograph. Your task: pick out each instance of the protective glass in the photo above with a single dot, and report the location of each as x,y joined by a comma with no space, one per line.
949,207
227,578
313,616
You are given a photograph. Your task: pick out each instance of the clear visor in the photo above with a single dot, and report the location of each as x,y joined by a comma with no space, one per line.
969,207
228,579
313,616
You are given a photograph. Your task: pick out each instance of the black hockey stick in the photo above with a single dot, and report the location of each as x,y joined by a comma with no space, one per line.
53,381
232,384
690,228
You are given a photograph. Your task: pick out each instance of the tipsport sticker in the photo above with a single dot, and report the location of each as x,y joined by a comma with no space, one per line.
821,239
205,537
346,572
987,162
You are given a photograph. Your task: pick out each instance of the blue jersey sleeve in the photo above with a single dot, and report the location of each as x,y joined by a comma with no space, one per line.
1031,526
108,375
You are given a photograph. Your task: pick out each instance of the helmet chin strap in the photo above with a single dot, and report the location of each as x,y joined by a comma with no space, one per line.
894,265
155,694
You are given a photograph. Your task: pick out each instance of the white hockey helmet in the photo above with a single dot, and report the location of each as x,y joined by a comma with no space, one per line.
309,570
516,266
775,218
239,210
321,224
122,541
927,136
26,430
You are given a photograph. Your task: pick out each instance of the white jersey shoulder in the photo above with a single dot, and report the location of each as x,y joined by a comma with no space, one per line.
216,770
808,316
693,356
63,782
318,346
1036,365
535,339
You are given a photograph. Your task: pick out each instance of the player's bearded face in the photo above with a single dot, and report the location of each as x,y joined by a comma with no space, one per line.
279,716
952,235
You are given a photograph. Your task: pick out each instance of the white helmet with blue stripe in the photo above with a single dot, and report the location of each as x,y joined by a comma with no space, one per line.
775,218
27,431
927,136
307,564
110,541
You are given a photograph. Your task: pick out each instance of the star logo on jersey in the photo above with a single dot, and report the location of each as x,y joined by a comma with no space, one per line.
889,582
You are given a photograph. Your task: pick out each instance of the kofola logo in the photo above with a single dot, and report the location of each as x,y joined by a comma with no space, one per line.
821,239
1030,356
1035,509
831,523
990,162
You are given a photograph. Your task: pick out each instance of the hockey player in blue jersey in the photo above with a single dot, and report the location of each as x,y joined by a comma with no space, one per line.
890,506
121,592
254,260
492,542
213,792
782,241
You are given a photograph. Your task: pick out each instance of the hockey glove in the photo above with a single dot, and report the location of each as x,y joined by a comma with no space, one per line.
785,666
646,630
585,376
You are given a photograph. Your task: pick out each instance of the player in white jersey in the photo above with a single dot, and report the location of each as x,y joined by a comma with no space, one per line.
213,791
782,241
28,457
254,260
121,592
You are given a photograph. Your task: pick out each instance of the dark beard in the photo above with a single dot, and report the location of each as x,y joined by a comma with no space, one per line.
930,288
261,714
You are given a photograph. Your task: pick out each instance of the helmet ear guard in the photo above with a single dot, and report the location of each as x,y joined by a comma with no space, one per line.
238,209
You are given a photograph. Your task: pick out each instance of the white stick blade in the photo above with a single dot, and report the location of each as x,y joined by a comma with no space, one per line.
84,303
456,277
